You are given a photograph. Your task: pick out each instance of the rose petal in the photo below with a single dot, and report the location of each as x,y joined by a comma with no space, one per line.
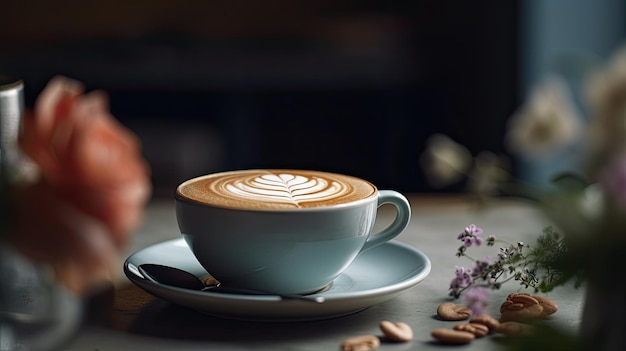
93,187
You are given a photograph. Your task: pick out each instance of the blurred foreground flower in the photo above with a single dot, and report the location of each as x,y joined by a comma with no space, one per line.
477,299
606,94
445,161
488,174
548,122
91,190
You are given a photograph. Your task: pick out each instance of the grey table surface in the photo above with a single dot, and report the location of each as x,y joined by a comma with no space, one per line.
435,223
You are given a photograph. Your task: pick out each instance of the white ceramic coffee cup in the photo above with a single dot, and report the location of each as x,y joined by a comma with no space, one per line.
250,238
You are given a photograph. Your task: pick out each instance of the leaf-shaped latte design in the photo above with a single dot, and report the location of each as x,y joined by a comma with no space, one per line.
262,189
286,188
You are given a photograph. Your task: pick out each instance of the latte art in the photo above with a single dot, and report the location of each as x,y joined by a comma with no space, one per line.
286,188
275,189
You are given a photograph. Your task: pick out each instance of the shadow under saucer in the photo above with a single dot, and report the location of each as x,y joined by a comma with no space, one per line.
137,312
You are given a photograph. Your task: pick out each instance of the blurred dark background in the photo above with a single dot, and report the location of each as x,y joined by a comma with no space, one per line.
347,86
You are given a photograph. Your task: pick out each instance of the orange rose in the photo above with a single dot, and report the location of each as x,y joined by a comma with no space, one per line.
93,186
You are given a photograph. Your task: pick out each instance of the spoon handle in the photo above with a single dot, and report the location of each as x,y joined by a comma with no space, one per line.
160,274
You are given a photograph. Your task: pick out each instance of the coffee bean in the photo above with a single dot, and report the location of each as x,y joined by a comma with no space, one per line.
510,305
449,311
519,307
522,298
487,320
450,336
396,332
518,301
511,295
361,343
526,313
479,330
549,306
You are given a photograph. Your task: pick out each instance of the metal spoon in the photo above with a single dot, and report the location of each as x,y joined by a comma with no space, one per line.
179,278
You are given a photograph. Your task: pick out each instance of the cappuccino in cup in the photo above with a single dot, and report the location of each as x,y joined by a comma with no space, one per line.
275,190
282,231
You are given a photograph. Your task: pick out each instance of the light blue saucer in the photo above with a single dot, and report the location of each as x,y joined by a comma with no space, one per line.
377,275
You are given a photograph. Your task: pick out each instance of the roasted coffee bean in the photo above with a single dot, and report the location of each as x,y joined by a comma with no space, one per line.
449,311
519,307
487,320
549,306
396,332
361,343
518,301
450,336
526,313
479,330
524,299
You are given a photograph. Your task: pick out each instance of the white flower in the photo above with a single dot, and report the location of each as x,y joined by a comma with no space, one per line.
444,161
548,122
488,173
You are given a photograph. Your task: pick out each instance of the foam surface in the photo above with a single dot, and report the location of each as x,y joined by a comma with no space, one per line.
275,189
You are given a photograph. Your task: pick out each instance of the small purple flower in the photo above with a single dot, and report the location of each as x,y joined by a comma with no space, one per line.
481,267
473,229
462,271
477,299
462,280
467,241
471,236
478,240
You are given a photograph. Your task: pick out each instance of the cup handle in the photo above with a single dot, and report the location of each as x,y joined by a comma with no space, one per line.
403,217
